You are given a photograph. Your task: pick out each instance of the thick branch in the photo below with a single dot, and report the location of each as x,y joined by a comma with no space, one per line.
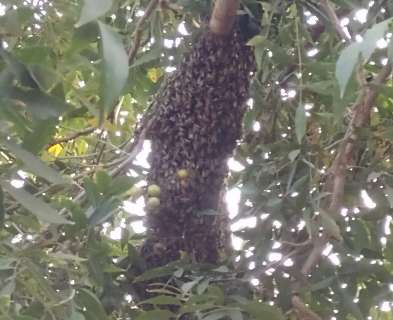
223,16
327,7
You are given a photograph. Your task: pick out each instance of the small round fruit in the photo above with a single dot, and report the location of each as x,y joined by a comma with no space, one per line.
152,203
136,192
153,190
182,173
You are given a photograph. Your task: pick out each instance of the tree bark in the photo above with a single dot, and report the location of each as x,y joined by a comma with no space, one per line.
223,17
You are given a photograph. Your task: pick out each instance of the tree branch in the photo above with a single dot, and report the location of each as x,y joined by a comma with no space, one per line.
328,8
137,36
223,16
71,137
345,157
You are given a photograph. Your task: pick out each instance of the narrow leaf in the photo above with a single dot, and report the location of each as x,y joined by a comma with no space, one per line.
103,212
40,209
150,56
346,64
7,263
235,315
330,226
34,164
114,66
92,10
162,300
369,43
262,311
155,273
86,300
300,123
40,105
216,315
155,315
2,209
293,155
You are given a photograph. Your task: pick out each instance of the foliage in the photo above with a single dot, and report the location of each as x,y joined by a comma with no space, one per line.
70,219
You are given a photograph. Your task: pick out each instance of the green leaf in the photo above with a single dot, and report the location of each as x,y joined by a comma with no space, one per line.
330,226
293,155
86,300
162,300
2,209
155,273
349,305
216,315
103,211
103,181
75,315
92,10
40,105
320,87
369,43
6,263
19,70
41,135
34,164
235,315
65,256
114,65
262,311
300,123
256,41
201,288
40,209
150,56
15,20
91,191
45,77
121,184
156,315
188,286
346,64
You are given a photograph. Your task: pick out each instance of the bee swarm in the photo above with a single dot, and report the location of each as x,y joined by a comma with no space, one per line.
196,122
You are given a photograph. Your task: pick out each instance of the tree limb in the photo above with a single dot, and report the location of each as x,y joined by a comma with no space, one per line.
345,157
223,16
327,7
137,36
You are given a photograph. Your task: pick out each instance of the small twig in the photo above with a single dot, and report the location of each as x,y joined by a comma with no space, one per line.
137,36
71,137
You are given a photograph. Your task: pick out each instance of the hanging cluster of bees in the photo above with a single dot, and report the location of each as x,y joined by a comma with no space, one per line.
196,122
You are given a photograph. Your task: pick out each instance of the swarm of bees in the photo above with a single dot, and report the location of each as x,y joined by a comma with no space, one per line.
196,122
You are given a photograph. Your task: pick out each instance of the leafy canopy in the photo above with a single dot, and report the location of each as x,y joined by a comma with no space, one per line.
75,77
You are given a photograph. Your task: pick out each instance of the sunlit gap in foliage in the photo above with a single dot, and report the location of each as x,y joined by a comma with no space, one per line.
2,9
